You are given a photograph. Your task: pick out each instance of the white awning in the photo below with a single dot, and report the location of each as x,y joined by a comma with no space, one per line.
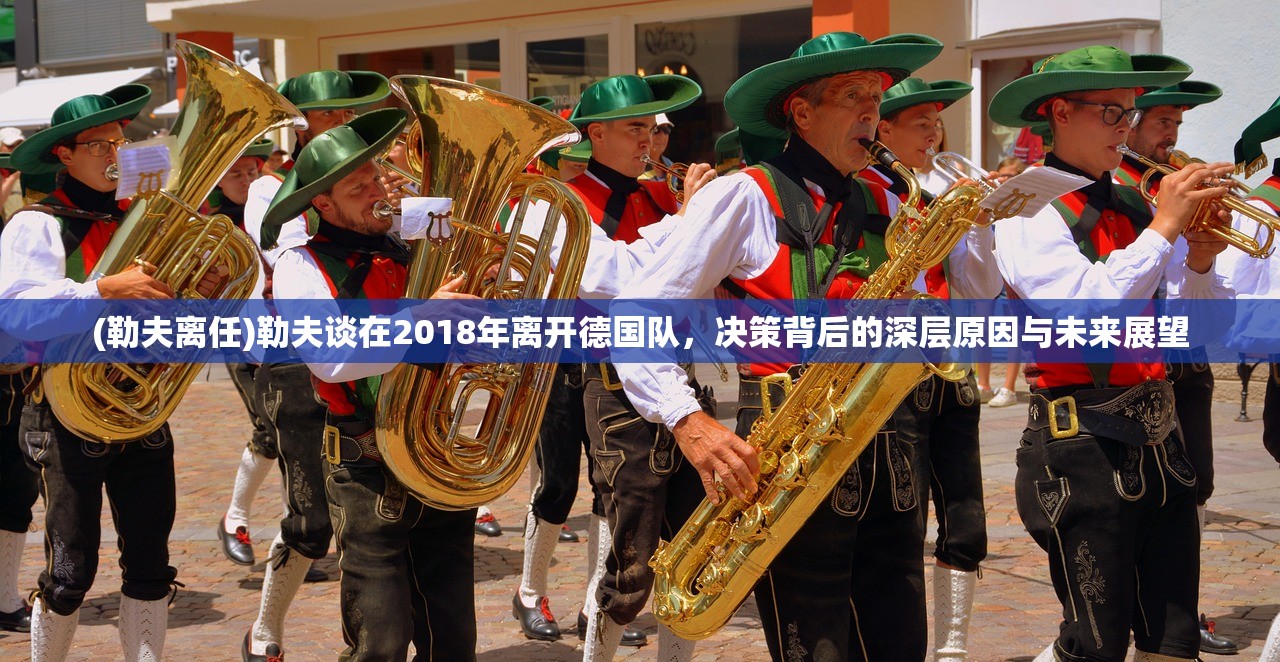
32,102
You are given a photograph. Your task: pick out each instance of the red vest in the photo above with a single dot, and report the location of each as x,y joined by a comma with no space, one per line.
644,207
386,279
80,260
1113,232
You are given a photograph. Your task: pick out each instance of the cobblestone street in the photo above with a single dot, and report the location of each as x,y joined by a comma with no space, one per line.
1016,613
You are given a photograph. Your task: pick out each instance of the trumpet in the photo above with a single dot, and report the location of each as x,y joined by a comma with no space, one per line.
954,167
1206,217
675,175
112,173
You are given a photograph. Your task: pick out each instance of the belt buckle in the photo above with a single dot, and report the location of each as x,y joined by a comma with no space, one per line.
609,384
332,445
1070,403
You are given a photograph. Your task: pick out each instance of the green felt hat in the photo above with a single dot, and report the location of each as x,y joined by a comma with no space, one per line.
1249,156
628,96
755,101
1187,94
1020,103
545,103
914,91
579,152
1046,134
261,149
330,89
325,160
728,145
35,155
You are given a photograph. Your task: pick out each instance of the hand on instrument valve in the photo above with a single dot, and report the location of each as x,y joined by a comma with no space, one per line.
698,175
450,289
716,451
134,283
1180,197
996,179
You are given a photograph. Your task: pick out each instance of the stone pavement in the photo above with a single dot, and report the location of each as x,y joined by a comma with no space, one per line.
1016,613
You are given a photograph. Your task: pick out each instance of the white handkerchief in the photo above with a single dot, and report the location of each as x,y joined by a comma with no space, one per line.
426,218
1026,194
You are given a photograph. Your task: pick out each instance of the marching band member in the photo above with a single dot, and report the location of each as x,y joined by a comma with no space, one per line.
824,596
617,115
18,490
407,568
1153,138
1111,502
940,420
47,253
328,99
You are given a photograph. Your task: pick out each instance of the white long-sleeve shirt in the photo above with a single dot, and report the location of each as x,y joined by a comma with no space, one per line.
292,233
729,230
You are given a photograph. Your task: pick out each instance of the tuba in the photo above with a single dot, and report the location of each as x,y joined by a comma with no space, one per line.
1206,218
225,109
475,145
808,442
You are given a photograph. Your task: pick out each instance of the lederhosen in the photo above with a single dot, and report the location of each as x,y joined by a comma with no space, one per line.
850,584
1189,371
18,483
407,569
1269,193
563,438
1111,497
947,413
646,489
138,476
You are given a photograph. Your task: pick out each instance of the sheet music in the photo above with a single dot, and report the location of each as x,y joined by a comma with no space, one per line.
145,166
1026,194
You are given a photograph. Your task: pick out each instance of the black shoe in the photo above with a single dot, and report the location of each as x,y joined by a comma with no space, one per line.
273,652
18,620
236,546
487,525
567,535
315,574
536,622
1211,642
630,636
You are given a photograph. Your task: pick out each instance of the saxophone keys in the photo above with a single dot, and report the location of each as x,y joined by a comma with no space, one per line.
791,472
711,580
751,525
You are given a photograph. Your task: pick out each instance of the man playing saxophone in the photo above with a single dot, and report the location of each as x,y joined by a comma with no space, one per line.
407,569
46,252
939,422
833,592
1103,482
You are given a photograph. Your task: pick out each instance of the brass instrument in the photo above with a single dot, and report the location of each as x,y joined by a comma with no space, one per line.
1206,217
112,173
675,175
476,143
808,442
225,109
414,173
954,166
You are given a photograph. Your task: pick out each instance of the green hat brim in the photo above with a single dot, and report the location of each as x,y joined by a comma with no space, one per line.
579,152
1187,94
942,92
544,102
366,87
728,144
755,100
35,155
671,92
377,128
1018,103
1249,155
261,149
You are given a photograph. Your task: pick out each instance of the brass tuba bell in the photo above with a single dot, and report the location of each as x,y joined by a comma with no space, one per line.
225,109
475,144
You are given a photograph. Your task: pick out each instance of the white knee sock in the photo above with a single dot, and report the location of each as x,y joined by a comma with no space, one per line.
1143,656
540,538
11,546
1271,651
952,606
603,637
1200,514
1046,655
672,648
51,633
142,628
279,586
252,471
599,541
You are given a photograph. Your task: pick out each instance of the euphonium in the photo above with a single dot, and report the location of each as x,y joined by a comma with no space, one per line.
475,144
808,442
1206,218
225,109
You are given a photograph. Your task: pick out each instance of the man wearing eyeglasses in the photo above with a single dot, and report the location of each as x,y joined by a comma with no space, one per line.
1154,137
47,252
1103,484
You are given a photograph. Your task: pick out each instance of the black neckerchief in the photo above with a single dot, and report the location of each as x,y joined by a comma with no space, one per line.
297,150
1100,195
340,242
1275,168
232,211
800,161
620,186
90,200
